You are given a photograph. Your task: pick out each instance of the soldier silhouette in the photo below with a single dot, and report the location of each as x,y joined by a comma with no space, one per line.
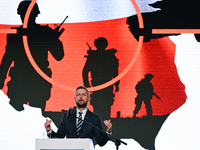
26,85
103,66
144,90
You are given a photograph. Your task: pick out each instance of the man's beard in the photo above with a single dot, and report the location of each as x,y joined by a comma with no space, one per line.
81,105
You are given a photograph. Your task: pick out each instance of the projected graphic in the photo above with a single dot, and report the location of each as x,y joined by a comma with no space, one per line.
126,63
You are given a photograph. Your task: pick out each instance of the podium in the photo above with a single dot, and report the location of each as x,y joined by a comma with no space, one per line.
64,144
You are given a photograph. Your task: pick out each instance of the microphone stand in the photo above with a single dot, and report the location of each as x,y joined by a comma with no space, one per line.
117,140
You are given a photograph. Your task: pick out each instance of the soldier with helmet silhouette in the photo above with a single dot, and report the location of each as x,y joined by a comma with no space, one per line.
26,86
144,89
103,66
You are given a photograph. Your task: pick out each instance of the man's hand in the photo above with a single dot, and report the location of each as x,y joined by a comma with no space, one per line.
108,125
47,125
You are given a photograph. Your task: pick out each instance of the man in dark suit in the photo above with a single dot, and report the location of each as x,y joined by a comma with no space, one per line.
68,127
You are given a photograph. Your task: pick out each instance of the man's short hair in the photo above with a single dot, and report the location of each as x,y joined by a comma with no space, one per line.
82,87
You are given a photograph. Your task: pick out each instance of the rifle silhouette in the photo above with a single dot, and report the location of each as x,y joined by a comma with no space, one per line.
58,27
24,31
90,49
89,46
157,96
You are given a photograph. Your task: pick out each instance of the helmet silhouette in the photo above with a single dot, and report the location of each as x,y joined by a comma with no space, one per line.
23,6
101,42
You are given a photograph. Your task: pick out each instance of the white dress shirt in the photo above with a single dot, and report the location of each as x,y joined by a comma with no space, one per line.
83,114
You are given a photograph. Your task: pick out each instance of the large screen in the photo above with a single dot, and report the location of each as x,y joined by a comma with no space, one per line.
138,59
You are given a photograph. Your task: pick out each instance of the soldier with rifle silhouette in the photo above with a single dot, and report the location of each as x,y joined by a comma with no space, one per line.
26,86
144,89
103,66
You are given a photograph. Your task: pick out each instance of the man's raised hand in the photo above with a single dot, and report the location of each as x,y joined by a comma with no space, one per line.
47,125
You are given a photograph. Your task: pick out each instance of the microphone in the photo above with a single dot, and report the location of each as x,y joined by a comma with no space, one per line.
69,113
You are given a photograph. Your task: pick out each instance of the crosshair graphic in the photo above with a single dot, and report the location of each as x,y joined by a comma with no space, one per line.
122,74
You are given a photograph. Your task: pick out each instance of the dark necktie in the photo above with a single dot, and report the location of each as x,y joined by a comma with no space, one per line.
79,123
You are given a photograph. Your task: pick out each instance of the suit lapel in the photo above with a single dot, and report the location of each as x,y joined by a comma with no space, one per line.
73,122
